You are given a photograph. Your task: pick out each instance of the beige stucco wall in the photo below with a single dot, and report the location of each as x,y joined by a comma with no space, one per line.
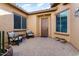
74,26
6,24
31,23
52,25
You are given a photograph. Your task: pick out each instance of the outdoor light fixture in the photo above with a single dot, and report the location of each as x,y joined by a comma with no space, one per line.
77,12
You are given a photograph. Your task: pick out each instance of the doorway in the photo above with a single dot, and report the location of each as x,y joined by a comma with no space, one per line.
44,27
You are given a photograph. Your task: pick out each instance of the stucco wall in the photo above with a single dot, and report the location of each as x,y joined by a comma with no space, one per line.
31,23
6,24
52,24
75,26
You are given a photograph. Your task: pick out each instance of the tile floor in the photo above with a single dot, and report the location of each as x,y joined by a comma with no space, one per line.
41,46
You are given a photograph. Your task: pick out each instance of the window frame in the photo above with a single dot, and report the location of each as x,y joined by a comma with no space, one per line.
14,22
21,22
60,21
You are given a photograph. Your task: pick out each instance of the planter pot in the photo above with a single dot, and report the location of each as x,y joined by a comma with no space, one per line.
9,51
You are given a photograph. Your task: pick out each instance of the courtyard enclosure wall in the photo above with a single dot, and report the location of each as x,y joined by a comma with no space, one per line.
74,26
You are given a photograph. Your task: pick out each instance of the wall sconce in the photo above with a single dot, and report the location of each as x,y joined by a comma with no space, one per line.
77,12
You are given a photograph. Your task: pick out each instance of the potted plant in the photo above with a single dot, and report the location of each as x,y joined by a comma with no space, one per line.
7,51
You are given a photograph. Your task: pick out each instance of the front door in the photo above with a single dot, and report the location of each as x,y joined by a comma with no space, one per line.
44,27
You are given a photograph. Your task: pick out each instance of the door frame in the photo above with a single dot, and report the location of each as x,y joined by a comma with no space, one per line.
39,24
44,18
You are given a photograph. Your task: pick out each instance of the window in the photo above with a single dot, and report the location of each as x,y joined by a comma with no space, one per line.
64,21
58,23
23,23
19,22
61,21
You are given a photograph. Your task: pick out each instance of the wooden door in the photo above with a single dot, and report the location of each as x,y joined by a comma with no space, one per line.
44,27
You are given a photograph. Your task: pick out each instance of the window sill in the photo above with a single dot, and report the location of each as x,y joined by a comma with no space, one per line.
19,30
60,33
